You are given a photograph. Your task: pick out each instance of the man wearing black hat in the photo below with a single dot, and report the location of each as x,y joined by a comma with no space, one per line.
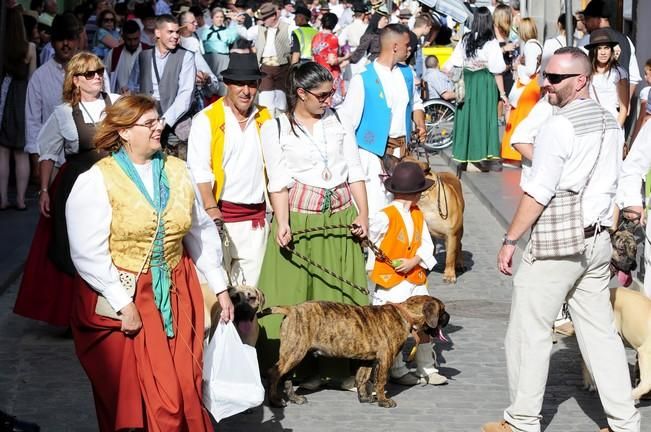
597,15
302,36
351,34
46,84
225,158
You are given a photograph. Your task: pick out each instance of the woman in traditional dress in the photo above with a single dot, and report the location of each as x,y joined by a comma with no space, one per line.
609,83
47,286
138,315
476,132
315,180
19,62
526,90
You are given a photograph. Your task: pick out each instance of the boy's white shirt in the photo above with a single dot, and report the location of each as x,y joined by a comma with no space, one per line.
379,224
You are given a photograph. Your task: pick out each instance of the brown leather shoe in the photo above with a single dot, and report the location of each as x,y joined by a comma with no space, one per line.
502,426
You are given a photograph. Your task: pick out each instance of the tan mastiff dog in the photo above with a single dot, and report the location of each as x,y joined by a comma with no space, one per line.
632,311
443,206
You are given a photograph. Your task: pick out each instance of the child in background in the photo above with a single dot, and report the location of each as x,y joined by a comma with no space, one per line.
402,234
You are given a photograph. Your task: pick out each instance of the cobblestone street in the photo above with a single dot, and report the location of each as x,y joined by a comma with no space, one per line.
42,381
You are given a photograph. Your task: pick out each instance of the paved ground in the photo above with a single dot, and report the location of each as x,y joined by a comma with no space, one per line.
41,380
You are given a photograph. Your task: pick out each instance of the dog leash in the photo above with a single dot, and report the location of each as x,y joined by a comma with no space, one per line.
365,242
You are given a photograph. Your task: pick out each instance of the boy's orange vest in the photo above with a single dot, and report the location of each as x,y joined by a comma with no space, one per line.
396,245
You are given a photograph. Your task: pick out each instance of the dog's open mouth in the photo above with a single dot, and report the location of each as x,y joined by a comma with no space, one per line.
625,278
441,335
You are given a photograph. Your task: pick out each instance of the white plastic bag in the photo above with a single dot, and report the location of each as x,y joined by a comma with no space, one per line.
231,377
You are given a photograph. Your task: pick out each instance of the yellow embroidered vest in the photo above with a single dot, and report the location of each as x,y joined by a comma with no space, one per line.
396,245
133,221
215,114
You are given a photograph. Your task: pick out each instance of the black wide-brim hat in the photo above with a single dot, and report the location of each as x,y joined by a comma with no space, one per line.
408,178
242,67
602,36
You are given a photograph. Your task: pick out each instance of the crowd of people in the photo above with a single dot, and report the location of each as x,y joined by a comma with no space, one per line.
184,147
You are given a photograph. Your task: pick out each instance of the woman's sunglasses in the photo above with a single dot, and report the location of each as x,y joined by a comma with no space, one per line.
109,19
91,74
321,97
557,78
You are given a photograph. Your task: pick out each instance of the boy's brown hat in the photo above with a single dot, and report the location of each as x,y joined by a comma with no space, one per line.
408,178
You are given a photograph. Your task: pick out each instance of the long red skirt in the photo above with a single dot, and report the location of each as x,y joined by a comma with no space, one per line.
45,292
148,381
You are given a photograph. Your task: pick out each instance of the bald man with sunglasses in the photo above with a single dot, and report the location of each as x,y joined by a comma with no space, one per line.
573,177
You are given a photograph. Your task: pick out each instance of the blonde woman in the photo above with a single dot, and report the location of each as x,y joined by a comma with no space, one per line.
502,27
47,285
526,90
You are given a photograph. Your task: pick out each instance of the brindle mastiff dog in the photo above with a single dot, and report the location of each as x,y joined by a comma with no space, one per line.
372,333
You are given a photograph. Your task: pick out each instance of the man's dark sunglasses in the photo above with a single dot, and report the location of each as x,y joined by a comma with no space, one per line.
557,78
91,74
321,97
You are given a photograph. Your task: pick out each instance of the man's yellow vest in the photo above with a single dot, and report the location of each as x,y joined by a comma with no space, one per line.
215,114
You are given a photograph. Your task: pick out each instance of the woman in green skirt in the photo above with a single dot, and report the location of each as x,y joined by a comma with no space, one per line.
476,131
315,180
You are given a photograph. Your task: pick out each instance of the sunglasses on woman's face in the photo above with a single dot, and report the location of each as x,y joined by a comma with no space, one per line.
557,78
91,74
109,19
321,97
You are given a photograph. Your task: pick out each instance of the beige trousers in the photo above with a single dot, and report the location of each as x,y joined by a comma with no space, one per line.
540,288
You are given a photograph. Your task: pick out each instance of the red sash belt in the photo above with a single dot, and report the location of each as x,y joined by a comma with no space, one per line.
234,212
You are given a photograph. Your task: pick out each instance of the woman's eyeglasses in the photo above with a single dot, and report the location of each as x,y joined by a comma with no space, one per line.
152,123
557,78
321,97
91,74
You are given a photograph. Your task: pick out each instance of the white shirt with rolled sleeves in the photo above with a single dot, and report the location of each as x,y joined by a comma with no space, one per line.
295,159
89,249
378,226
242,160
563,161
395,93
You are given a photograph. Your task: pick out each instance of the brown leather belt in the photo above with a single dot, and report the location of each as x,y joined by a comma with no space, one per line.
592,230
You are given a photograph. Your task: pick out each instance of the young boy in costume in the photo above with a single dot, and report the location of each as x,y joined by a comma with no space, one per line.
402,235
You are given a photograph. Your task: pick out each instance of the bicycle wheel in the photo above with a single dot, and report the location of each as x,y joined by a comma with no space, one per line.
439,124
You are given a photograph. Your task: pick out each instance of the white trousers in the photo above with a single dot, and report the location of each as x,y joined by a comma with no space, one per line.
243,256
539,289
378,197
274,100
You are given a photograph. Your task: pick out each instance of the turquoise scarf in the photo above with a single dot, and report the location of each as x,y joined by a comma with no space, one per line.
160,271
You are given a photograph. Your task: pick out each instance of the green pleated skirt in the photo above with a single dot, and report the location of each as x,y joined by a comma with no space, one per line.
476,132
286,279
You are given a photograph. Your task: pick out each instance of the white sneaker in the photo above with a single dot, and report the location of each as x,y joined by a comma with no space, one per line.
434,378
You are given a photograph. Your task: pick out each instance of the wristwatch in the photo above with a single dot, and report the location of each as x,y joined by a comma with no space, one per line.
508,242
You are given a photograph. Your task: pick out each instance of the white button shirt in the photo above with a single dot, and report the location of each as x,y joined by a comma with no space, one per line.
634,169
242,163
89,249
395,93
300,158
563,161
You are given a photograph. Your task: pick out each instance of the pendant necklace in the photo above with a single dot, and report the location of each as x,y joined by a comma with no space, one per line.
326,174
88,114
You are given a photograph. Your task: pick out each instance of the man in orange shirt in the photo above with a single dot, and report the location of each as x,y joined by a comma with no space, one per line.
402,233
